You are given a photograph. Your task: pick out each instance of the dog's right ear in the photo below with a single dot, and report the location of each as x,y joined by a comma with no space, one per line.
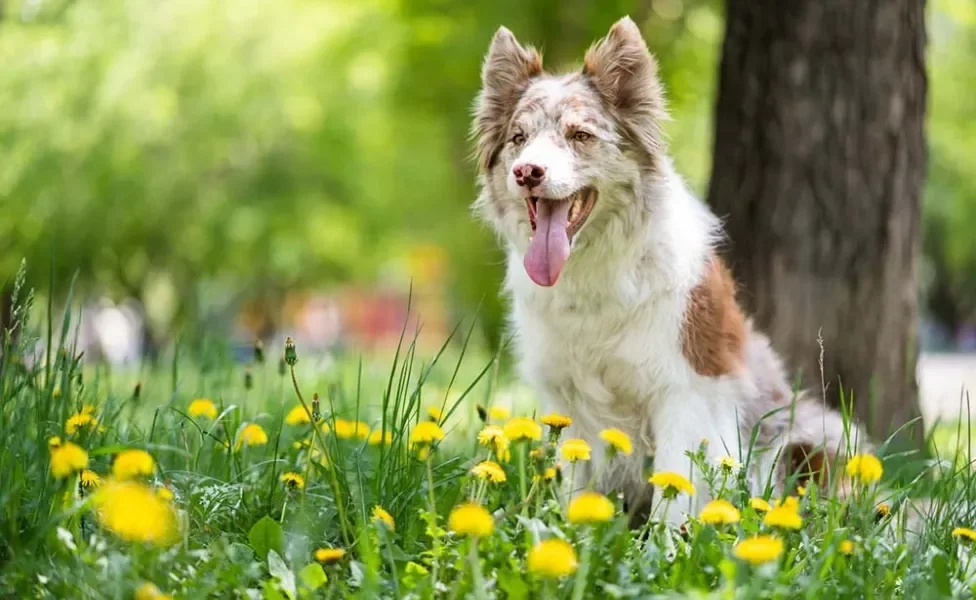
506,72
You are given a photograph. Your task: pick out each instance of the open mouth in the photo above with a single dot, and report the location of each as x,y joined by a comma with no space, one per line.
554,223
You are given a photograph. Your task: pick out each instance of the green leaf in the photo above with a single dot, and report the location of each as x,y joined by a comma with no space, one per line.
280,571
271,591
512,584
313,576
940,575
266,535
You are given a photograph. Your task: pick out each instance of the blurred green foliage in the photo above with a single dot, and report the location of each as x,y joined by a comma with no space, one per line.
188,150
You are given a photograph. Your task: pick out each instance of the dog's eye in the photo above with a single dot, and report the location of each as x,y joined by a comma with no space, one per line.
581,136
518,139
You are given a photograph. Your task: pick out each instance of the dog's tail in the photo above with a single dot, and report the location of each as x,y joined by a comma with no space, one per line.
812,438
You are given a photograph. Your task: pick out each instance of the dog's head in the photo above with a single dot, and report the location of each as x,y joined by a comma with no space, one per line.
558,153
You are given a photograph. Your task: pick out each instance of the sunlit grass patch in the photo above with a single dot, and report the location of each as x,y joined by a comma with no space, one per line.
240,479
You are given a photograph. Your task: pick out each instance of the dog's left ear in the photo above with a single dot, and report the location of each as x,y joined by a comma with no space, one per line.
623,72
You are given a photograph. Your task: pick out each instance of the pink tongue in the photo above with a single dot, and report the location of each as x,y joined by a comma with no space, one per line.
549,249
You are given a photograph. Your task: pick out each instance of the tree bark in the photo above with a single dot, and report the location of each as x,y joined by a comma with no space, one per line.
819,159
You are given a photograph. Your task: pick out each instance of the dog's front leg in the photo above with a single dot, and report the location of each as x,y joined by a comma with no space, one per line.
671,445
680,425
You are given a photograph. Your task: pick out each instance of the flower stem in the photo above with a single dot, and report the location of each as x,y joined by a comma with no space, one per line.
433,515
479,580
329,465
522,482
580,585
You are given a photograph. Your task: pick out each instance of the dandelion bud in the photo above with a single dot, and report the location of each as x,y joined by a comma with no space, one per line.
482,414
282,366
291,355
137,392
316,415
248,380
258,352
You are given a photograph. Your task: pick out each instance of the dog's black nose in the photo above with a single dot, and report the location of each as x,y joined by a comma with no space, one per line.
529,175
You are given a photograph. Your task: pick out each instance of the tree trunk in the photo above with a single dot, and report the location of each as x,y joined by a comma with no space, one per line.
819,158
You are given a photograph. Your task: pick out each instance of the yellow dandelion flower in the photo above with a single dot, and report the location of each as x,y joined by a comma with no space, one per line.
865,467
380,514
80,420
329,555
360,430
759,505
135,513
590,507
343,429
54,441
847,547
471,519
435,413
379,437
493,437
783,517
522,428
964,533
425,433
67,459
672,483
132,463
790,502
499,413
90,478
293,480
729,464
618,441
575,450
165,493
202,407
298,416
557,421
882,510
553,559
252,435
148,591
489,471
801,491
759,549
548,475
347,430
719,512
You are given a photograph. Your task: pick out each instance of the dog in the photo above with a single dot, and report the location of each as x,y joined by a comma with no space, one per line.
623,314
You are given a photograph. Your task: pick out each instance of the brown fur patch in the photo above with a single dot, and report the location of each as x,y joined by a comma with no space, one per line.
807,464
714,331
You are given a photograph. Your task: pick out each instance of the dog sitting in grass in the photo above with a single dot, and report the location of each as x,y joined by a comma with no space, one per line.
624,315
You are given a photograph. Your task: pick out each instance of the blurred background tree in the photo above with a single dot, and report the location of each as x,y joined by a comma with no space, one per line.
197,154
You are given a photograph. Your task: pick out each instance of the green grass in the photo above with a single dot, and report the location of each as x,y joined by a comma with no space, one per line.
244,535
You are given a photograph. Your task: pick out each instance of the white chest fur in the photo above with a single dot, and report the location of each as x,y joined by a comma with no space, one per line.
604,346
